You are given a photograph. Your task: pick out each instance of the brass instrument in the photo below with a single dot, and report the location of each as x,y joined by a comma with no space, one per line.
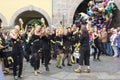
21,24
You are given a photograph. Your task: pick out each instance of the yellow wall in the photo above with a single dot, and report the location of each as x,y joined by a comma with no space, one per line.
9,7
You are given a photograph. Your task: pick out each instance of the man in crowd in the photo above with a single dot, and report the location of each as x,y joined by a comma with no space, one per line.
104,36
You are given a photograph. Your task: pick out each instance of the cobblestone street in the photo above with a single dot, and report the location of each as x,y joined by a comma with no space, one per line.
107,69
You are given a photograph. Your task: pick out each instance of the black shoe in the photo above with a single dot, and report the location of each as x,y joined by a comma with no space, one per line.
27,60
47,69
59,67
63,64
69,64
49,63
43,63
99,60
20,77
94,59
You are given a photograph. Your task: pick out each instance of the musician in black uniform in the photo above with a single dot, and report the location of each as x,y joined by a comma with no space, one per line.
84,50
35,49
3,46
17,52
59,47
75,39
52,38
26,37
67,45
46,47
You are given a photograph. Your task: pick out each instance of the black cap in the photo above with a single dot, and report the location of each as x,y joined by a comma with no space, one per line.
29,26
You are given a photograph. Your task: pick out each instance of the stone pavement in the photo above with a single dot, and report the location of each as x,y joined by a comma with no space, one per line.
107,69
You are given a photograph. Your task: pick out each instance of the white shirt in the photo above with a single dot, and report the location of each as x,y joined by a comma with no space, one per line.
113,40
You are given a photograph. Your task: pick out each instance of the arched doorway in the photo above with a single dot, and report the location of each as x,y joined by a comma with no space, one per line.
81,8
28,13
72,10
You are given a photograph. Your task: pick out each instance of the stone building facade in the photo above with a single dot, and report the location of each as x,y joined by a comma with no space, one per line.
53,11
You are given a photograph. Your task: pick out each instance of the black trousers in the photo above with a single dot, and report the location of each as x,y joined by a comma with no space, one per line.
36,61
84,56
43,57
18,60
46,56
98,53
27,53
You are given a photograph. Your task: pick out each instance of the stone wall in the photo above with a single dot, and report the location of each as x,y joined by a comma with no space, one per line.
63,10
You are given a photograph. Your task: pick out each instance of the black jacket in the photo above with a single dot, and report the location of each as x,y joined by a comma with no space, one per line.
45,42
84,40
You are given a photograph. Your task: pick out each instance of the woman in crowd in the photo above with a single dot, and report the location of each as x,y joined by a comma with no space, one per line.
75,39
59,46
84,50
35,47
97,44
46,55
67,46
17,51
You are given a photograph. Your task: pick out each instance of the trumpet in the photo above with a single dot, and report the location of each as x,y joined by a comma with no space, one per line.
21,24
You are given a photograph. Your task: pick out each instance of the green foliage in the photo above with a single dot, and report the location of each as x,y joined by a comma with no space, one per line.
35,22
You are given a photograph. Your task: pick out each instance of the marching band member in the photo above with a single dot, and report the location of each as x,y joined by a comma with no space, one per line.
84,50
46,47
17,51
35,49
59,47
67,46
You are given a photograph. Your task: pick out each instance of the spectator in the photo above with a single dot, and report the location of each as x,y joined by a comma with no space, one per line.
97,44
118,42
104,36
109,47
114,43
